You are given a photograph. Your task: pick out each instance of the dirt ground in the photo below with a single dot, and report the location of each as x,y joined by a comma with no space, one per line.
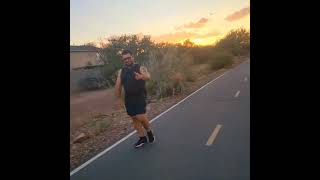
86,105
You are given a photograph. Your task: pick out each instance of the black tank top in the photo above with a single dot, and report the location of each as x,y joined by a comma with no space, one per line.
132,87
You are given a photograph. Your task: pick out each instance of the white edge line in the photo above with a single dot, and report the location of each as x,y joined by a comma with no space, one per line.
100,154
115,144
109,148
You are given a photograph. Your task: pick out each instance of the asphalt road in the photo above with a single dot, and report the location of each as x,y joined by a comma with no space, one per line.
206,136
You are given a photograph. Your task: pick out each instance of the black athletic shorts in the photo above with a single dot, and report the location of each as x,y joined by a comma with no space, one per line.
135,105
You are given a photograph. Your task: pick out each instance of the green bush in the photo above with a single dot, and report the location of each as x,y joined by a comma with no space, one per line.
236,41
221,60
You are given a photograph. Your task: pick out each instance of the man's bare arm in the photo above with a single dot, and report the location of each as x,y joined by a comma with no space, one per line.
118,85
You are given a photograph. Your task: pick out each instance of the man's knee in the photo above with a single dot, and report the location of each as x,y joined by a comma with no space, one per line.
134,118
141,117
138,120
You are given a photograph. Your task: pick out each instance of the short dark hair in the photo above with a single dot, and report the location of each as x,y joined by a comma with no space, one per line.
126,51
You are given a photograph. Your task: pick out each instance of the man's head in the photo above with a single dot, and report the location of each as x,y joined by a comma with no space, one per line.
127,57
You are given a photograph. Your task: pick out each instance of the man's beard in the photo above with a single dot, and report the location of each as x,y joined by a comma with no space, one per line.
129,64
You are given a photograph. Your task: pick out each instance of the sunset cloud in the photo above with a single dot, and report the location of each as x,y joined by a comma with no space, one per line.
199,24
238,14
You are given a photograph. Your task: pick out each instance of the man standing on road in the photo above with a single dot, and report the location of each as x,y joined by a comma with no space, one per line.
132,77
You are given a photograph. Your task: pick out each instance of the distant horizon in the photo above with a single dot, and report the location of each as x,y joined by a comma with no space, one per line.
203,22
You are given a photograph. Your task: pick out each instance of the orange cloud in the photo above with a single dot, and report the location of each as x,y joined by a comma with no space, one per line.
202,22
238,14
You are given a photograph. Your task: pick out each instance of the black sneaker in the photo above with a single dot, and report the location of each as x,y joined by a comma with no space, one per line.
141,142
151,137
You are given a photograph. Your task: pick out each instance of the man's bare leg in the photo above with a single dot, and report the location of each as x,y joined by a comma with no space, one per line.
138,126
144,121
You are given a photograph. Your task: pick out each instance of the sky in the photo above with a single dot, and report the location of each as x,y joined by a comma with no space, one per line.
173,21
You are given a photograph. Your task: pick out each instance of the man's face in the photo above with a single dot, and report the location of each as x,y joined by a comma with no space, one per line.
128,59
